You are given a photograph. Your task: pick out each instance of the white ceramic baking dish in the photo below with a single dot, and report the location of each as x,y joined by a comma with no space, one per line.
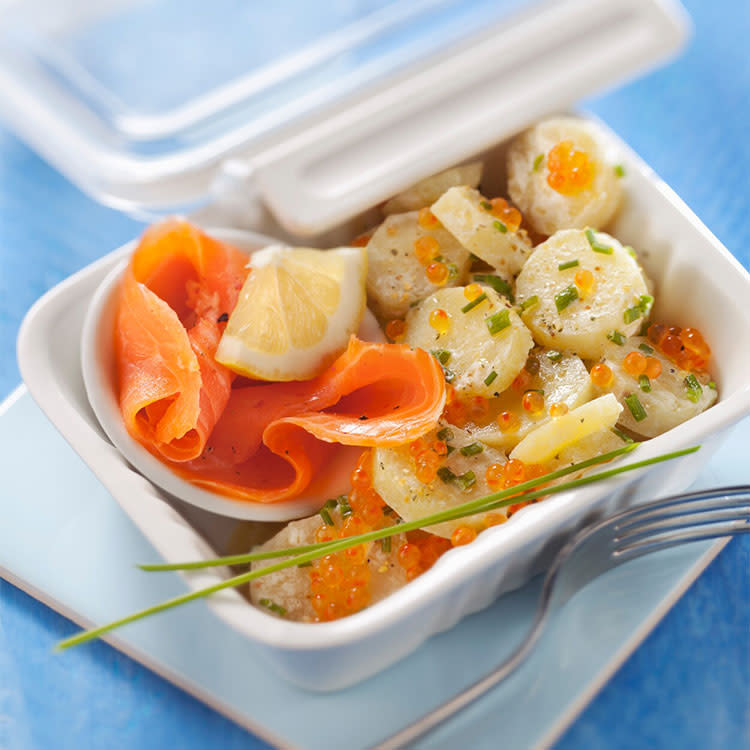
698,283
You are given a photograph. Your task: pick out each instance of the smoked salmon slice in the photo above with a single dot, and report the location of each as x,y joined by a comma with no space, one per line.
263,442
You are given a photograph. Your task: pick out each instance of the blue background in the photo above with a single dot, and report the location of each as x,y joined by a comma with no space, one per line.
687,686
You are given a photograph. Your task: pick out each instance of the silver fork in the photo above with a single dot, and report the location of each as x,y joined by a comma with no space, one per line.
706,514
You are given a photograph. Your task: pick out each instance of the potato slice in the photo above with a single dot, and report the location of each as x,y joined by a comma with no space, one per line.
469,351
563,378
427,191
460,211
669,402
395,479
547,209
545,443
290,588
585,320
395,277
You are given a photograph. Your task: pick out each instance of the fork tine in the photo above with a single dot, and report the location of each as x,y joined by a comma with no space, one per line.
688,518
673,538
664,508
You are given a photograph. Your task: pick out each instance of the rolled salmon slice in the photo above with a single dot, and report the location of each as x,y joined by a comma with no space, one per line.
256,441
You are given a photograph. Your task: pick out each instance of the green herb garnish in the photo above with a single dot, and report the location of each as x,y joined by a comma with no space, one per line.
644,347
631,314
498,321
529,303
565,297
445,474
344,508
500,226
538,162
569,264
636,407
644,383
486,205
597,246
466,480
501,286
616,338
471,305
554,356
441,355
712,385
694,390
490,379
385,545
445,434
619,170
620,434
325,512
276,608
301,554
472,449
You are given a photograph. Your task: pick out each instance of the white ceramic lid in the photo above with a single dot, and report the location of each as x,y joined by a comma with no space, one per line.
326,108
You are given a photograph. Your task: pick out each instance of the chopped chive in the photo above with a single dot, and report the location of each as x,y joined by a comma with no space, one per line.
500,226
620,434
449,449
472,449
645,303
486,205
597,246
326,516
307,564
538,162
445,474
498,321
501,286
445,434
554,356
276,608
644,347
616,338
452,270
694,390
471,305
636,407
629,250
569,264
344,508
712,385
644,383
474,258
529,303
490,379
631,314
532,365
385,545
619,170
540,391
466,480
565,297
441,355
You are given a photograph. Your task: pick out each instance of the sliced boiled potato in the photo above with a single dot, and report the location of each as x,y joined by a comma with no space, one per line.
596,444
669,402
394,477
528,169
563,379
395,277
461,212
564,314
427,191
469,351
289,589
545,443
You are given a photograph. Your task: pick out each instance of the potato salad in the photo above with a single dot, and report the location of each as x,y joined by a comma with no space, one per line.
543,324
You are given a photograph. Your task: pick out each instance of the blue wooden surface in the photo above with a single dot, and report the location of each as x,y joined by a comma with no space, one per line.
687,686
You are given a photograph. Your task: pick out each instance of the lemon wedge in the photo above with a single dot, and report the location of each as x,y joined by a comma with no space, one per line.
295,313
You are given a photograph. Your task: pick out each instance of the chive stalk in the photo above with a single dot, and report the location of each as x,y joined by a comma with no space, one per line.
596,246
567,265
498,322
500,285
566,297
471,305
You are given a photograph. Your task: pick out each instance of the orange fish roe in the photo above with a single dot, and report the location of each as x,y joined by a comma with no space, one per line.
463,535
427,248
509,215
437,273
601,375
440,320
395,329
533,402
426,219
495,476
507,421
455,412
514,471
427,458
472,291
558,410
522,381
570,170
634,364
653,367
420,552
585,281
686,347
409,555
440,447
361,240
